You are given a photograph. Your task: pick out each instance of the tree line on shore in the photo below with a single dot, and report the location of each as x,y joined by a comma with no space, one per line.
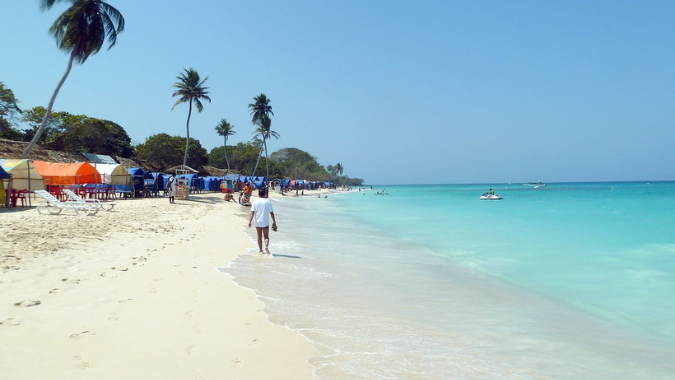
80,133
81,31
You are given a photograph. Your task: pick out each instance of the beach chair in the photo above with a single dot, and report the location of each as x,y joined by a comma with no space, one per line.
107,206
55,206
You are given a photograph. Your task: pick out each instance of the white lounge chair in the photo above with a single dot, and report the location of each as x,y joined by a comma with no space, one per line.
55,206
107,206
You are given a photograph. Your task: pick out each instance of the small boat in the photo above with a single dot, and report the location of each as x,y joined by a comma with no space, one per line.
535,184
490,197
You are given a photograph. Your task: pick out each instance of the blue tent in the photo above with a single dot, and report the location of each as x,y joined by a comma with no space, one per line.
156,180
258,182
137,179
4,174
211,183
197,183
136,172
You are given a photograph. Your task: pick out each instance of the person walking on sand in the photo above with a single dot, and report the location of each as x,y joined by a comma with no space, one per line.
261,211
171,188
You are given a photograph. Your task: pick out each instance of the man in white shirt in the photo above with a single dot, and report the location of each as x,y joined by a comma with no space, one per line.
171,188
261,210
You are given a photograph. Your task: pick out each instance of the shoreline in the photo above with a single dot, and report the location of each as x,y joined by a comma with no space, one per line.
135,293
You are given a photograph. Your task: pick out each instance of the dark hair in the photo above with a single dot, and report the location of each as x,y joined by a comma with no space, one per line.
262,192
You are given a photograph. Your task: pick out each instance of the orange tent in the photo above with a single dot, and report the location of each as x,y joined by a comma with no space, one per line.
67,174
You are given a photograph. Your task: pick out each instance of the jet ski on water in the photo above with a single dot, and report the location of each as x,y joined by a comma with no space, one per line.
490,197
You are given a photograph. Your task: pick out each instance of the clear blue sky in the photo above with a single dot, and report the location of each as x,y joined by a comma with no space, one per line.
396,91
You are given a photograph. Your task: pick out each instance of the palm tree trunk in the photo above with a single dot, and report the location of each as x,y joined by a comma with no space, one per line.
187,140
258,160
267,162
225,151
43,125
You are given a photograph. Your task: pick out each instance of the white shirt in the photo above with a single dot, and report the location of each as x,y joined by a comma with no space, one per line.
261,209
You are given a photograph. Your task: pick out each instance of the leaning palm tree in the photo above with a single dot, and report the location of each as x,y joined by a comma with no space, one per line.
190,88
225,129
265,132
81,31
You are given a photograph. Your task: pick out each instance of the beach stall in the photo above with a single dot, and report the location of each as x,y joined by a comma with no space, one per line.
24,175
211,183
192,180
113,174
58,174
137,180
230,183
155,181
183,183
258,182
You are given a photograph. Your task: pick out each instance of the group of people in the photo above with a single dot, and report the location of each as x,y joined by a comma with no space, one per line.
261,211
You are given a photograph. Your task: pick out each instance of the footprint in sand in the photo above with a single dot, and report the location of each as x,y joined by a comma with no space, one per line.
113,317
71,280
55,291
140,260
124,301
80,363
81,335
28,303
10,322
121,269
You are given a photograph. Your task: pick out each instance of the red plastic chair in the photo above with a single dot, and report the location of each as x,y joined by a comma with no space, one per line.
15,195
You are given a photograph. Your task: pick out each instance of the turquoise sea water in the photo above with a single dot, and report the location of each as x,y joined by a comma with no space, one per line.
567,281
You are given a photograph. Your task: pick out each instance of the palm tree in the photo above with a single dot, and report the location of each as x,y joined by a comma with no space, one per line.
264,131
260,107
225,129
81,31
339,169
260,110
191,89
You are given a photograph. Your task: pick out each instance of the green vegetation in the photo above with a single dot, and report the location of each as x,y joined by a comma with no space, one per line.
79,133
8,114
162,151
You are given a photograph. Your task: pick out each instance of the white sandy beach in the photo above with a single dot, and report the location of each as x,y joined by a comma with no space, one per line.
134,294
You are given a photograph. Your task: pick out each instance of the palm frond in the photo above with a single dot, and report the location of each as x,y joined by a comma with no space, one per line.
84,27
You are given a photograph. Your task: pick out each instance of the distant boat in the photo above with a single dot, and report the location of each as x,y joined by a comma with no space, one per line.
535,184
